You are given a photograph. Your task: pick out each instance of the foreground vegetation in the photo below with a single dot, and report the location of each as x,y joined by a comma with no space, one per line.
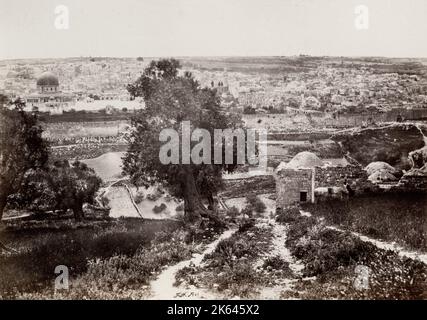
291,256
306,259
229,270
332,260
391,217
106,258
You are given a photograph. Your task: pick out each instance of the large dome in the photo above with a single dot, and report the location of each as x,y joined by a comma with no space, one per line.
47,79
302,160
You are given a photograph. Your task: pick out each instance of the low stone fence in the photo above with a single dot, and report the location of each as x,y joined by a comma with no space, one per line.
235,188
356,177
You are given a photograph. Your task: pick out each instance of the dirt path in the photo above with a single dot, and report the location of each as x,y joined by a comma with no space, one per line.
280,282
163,287
279,249
414,255
24,215
387,246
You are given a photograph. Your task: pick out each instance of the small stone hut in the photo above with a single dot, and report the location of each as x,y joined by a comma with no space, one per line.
295,180
306,178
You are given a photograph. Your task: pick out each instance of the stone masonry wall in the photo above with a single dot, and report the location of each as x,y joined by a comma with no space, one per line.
234,188
336,176
289,184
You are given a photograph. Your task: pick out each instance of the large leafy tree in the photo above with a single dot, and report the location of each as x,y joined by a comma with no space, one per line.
171,99
21,148
26,177
74,185
63,186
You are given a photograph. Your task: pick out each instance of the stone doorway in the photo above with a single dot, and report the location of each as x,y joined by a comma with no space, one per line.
303,196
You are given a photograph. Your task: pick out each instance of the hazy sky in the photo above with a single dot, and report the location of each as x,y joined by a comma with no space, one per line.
212,28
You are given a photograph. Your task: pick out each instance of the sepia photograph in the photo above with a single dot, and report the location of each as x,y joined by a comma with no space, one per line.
213,150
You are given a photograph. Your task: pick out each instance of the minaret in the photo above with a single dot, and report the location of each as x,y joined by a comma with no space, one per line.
302,105
225,77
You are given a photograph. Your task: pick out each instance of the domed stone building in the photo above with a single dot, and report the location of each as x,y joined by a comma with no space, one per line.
302,160
295,179
49,98
47,83
307,178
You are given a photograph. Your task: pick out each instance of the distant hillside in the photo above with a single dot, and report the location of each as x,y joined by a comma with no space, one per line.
303,63
391,143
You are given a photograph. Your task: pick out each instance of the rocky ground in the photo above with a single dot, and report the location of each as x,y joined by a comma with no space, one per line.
387,142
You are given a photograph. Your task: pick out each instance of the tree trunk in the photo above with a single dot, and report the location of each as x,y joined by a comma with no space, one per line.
3,247
193,205
78,211
2,205
213,202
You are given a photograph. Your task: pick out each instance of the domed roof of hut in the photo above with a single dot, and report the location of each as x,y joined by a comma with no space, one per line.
379,165
381,176
305,159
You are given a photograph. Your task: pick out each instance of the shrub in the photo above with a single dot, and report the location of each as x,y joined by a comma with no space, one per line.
168,198
233,212
254,203
260,206
159,209
288,215
156,194
331,251
251,199
153,196
247,211
239,279
249,110
324,251
187,275
139,197
246,224
105,202
206,230
277,263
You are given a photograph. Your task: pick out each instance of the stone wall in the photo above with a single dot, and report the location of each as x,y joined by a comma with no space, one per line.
336,176
235,188
290,183
412,183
